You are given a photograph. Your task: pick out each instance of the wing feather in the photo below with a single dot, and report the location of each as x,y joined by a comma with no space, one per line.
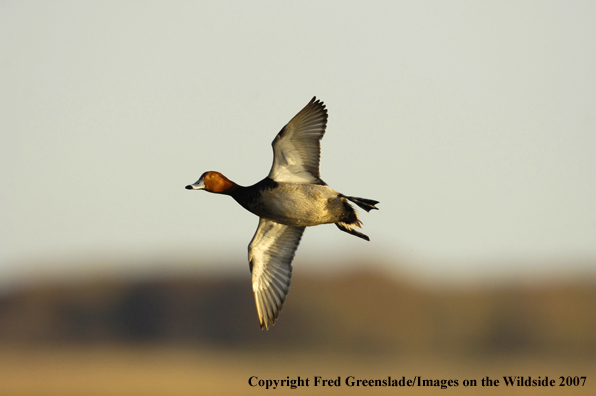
297,147
270,255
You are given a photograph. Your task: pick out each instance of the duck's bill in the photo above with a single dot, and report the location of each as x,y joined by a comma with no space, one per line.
199,185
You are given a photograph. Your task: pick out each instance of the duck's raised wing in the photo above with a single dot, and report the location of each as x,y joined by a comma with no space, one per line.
270,255
297,147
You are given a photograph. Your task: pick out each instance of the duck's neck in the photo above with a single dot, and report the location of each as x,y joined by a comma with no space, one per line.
230,188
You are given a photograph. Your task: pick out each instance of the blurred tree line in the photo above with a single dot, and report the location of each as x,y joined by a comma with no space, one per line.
366,312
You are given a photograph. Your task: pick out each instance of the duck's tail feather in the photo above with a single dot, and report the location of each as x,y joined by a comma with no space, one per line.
350,230
366,204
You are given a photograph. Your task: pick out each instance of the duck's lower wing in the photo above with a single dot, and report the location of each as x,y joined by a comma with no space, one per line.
270,255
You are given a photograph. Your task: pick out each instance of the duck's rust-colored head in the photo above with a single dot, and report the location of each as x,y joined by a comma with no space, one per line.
213,182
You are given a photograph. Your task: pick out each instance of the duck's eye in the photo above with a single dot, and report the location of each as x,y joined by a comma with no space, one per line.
211,176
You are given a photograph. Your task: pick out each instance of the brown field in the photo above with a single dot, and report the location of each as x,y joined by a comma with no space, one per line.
146,371
200,336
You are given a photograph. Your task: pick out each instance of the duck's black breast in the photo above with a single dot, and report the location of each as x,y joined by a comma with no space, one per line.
251,198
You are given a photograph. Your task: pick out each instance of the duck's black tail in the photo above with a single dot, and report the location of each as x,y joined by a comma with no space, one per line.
366,204
351,220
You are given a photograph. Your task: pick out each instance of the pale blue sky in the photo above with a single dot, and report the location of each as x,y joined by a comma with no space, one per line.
474,124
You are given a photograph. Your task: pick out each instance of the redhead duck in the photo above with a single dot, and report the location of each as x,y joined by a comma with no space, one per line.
290,198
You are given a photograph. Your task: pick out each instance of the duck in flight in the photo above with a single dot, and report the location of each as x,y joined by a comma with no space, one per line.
290,198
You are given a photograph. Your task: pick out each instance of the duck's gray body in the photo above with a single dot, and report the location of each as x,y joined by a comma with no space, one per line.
301,205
